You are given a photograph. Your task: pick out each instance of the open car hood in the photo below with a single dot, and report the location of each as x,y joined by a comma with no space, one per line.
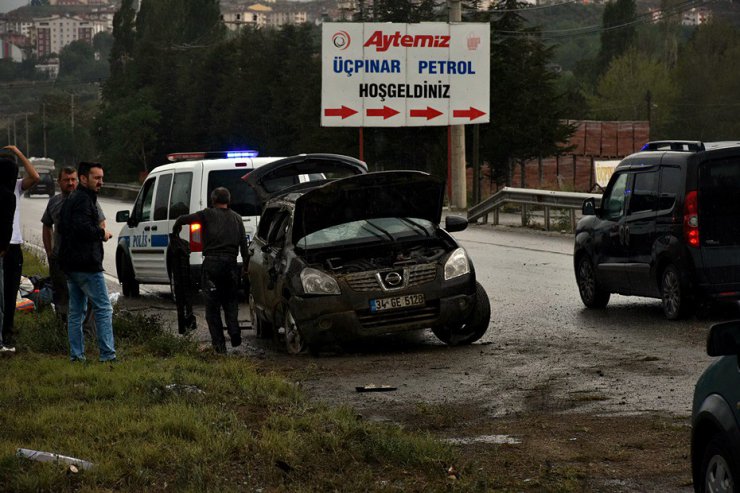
275,177
411,194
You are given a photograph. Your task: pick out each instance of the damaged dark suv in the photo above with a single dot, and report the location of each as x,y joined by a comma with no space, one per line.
358,254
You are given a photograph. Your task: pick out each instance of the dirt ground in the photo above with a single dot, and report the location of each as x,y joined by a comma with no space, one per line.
553,398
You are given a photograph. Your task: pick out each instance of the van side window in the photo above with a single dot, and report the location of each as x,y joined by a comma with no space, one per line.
143,206
243,199
162,197
615,198
644,192
265,222
180,199
670,186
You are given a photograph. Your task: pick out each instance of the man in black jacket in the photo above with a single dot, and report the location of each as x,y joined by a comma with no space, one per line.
81,258
223,238
8,176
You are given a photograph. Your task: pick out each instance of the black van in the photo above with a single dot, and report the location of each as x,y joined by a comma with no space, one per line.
668,227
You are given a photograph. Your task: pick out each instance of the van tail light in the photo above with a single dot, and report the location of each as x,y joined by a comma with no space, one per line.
691,219
196,237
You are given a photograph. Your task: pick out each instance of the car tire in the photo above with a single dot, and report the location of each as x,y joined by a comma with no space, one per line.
262,329
129,284
719,472
294,342
592,295
674,292
474,328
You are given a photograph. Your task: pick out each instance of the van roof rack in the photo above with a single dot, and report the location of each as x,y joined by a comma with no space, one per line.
674,145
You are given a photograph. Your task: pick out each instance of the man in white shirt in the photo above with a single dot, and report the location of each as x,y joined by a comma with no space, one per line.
13,260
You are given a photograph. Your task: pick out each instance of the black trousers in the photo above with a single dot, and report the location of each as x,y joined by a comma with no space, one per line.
12,267
220,281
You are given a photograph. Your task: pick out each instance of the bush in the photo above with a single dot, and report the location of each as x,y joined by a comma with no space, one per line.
41,332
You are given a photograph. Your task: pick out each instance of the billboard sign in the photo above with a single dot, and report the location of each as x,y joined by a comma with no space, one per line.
404,75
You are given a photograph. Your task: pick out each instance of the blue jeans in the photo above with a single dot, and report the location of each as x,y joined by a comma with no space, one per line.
84,287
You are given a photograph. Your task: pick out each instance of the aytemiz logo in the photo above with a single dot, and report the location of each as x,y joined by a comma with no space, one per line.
341,40
382,43
473,42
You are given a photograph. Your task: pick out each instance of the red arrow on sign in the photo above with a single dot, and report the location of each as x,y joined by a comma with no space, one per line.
472,113
344,112
385,112
428,113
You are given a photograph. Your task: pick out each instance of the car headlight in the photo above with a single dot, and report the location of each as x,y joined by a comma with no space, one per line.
457,265
316,282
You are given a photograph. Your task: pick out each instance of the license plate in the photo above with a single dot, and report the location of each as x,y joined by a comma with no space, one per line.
404,301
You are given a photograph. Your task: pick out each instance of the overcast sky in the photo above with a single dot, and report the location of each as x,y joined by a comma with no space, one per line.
7,5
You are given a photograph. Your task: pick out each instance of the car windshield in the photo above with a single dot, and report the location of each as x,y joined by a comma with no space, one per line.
382,229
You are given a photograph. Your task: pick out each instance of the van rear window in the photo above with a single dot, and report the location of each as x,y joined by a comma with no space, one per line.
719,207
243,199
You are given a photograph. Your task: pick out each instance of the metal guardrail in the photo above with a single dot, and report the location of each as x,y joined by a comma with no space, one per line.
547,199
120,190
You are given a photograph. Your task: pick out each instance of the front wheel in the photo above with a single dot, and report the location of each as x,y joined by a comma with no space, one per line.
129,284
718,469
294,342
674,294
592,295
474,328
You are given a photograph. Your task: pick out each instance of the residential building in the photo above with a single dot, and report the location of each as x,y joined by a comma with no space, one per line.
54,33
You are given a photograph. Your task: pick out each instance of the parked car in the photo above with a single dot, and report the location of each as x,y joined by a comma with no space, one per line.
171,190
356,256
668,227
715,432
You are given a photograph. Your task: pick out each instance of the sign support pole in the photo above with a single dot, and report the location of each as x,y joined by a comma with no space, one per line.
457,138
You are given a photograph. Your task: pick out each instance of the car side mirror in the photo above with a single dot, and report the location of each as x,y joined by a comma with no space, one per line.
724,339
589,207
122,216
455,223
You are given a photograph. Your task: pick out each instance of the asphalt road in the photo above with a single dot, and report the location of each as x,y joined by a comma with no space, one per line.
542,349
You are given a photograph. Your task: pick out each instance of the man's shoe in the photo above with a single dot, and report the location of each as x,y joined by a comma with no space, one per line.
236,340
220,348
7,350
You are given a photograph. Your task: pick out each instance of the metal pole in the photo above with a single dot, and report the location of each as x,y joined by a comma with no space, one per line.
457,138
44,106
476,164
28,141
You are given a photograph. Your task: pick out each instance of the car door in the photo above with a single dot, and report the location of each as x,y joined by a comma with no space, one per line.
149,223
610,250
266,260
640,231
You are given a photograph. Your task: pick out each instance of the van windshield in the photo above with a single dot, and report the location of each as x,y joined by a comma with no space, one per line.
243,199
719,207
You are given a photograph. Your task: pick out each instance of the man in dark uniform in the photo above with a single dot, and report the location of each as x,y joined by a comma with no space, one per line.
8,175
223,238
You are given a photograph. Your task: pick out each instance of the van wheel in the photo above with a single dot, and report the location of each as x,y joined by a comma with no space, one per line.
592,295
129,284
674,294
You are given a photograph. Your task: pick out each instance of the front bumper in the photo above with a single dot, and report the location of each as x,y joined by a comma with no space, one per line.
348,316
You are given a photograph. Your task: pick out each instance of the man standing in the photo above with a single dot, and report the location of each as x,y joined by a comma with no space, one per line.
81,258
13,259
223,238
50,235
8,175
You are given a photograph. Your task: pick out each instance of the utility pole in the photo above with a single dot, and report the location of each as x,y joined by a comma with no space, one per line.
44,128
458,176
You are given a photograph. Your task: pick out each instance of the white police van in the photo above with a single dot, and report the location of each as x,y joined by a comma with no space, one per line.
181,187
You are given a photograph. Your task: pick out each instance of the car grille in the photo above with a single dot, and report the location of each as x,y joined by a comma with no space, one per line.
369,281
422,315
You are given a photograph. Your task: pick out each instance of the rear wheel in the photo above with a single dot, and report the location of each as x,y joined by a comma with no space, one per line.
129,284
592,295
674,294
474,328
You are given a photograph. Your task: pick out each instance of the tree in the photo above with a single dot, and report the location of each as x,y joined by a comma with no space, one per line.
707,75
635,87
526,118
618,32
